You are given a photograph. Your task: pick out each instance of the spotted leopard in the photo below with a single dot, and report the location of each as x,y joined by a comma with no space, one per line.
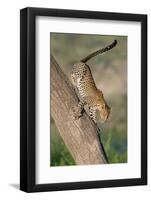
90,95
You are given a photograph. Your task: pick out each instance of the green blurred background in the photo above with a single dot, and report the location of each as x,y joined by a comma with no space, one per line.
110,74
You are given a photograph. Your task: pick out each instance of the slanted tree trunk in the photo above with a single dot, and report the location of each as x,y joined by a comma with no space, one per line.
80,136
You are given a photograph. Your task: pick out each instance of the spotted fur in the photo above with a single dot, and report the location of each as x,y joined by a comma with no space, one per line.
89,94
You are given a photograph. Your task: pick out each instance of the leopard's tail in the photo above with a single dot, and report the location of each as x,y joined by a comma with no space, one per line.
100,51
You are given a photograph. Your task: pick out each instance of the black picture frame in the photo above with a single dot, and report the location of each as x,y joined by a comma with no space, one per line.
28,98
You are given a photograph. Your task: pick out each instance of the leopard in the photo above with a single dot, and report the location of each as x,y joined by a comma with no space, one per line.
89,94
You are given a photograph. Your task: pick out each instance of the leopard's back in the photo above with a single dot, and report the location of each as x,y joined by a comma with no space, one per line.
83,79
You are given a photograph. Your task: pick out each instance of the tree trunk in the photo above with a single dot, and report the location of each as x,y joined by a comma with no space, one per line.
80,136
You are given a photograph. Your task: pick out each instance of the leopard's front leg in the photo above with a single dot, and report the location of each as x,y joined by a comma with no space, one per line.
77,110
92,113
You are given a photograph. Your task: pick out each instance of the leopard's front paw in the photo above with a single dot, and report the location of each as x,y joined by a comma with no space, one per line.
76,112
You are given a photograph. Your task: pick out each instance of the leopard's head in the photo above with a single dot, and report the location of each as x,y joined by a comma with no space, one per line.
103,107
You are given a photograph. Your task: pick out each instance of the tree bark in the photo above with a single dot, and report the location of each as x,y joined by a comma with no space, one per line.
80,136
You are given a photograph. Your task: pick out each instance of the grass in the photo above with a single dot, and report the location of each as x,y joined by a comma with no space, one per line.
115,146
60,155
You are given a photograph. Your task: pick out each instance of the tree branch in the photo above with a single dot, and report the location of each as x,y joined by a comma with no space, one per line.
80,136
